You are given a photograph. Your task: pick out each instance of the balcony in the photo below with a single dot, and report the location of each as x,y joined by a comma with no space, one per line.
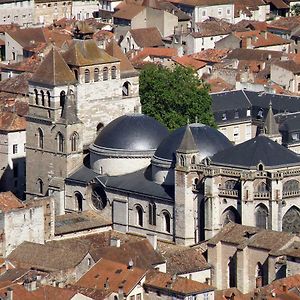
228,193
262,195
288,194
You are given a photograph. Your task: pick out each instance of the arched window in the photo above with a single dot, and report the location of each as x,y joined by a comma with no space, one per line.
60,142
230,214
40,186
113,72
181,161
139,215
36,95
152,213
291,220
166,222
62,98
261,216
193,160
231,184
87,76
262,187
260,167
74,141
40,138
79,201
126,89
48,98
290,186
96,74
76,73
105,73
43,98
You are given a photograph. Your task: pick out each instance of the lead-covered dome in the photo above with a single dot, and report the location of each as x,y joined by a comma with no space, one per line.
208,140
132,132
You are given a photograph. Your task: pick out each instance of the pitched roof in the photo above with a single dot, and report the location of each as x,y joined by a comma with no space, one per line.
10,121
211,55
175,284
86,52
47,257
128,11
289,65
54,71
189,61
112,275
253,54
147,37
242,236
8,201
257,150
69,112
16,85
113,49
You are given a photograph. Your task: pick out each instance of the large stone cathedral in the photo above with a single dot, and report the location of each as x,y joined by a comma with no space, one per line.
90,148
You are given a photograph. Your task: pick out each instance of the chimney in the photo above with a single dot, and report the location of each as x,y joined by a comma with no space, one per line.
114,242
263,33
130,264
106,283
248,42
30,284
10,293
152,238
284,288
121,292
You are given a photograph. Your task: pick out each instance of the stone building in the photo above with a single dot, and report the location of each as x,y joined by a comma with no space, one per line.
64,91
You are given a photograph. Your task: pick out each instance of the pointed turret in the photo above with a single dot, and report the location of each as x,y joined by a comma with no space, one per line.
69,112
187,144
270,126
53,71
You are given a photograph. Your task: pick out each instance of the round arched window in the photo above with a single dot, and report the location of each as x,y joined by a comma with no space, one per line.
99,198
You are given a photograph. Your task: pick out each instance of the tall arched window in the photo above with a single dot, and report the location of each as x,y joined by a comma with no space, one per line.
152,213
48,98
40,138
36,95
42,98
181,161
230,214
291,220
126,89
290,186
40,186
262,187
96,74
166,222
60,142
79,201
74,141
193,160
113,72
105,73
62,98
139,215
87,76
261,216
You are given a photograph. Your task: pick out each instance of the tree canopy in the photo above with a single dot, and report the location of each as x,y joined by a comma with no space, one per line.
172,96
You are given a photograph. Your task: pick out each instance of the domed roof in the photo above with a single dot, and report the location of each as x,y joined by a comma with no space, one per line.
207,139
132,132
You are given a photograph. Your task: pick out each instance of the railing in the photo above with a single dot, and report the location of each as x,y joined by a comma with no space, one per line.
290,194
262,195
228,193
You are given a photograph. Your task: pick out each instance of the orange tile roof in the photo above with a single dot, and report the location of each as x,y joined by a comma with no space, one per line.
147,37
115,274
8,201
128,11
211,55
189,61
154,52
219,85
177,284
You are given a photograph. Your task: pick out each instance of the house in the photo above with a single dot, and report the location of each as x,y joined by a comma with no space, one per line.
247,257
189,62
82,10
138,39
286,73
164,285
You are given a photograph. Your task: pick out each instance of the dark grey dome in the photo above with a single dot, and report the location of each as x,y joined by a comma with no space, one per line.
134,132
207,139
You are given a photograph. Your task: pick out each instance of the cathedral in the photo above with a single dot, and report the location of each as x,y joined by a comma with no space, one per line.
89,147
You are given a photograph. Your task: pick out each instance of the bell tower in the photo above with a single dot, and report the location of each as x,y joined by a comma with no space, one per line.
185,198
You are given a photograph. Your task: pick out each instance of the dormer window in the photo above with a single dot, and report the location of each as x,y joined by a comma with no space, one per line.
224,118
260,114
236,114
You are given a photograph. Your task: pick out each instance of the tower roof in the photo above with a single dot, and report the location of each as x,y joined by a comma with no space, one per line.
187,144
69,113
53,71
85,53
271,127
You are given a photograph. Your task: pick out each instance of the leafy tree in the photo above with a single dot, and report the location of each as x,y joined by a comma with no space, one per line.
295,9
172,96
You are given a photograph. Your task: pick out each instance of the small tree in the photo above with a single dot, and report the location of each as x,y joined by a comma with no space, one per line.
172,96
295,9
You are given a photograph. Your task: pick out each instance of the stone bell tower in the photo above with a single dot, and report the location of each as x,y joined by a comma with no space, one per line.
185,198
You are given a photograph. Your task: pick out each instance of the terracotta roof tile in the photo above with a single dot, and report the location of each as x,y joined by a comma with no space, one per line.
219,85
128,11
168,283
288,23
114,273
211,55
27,65
189,61
10,121
8,201
16,85
147,37
289,65
154,52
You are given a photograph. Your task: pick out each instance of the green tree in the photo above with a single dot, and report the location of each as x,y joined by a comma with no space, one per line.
295,9
172,96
